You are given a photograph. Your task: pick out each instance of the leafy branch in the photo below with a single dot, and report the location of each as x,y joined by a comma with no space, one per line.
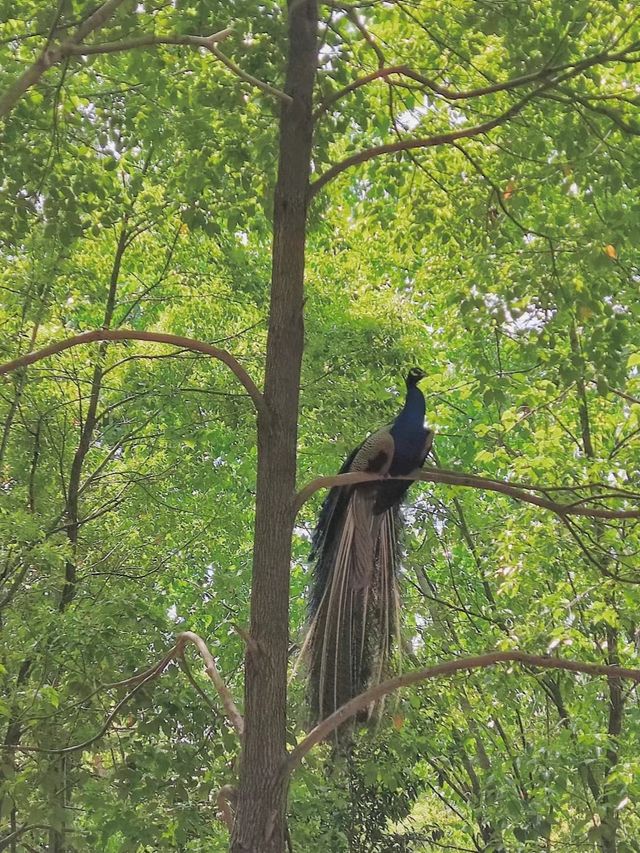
549,78
74,46
136,682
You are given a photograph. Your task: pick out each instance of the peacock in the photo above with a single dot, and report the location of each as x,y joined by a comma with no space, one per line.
353,602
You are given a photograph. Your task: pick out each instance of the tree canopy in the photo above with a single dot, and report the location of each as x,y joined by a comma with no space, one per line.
473,210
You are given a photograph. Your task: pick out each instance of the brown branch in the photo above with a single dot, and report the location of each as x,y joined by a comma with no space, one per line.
226,795
155,337
144,41
445,92
139,680
136,682
421,142
249,78
451,478
6,840
563,72
208,42
469,94
52,55
233,715
374,694
74,46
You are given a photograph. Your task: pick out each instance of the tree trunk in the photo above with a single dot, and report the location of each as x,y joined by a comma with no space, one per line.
260,818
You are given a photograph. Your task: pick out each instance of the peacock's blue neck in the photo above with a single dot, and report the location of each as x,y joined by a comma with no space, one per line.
409,433
411,418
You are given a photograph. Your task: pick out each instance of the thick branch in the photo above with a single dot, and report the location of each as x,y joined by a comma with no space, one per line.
374,694
451,478
156,337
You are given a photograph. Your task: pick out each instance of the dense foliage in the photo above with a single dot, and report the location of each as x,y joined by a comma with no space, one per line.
136,191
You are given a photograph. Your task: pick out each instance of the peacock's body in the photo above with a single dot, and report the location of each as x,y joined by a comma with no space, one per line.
354,599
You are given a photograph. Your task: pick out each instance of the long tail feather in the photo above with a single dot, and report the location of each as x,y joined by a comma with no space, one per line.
354,601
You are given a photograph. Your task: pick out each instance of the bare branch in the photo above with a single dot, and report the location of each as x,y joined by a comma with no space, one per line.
374,694
452,478
146,41
234,716
249,78
156,337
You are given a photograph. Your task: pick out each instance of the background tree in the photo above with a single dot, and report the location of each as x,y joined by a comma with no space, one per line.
463,176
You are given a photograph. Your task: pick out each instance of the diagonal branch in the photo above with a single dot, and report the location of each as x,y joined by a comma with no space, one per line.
52,55
374,694
421,142
469,94
452,478
157,337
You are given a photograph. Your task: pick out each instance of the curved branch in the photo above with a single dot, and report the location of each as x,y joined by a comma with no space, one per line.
136,682
233,715
6,840
468,94
50,56
374,694
156,337
208,42
545,77
451,478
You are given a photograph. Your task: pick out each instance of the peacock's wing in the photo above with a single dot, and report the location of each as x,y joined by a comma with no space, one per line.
375,454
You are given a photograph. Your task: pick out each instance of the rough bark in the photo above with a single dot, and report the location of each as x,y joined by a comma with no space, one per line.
260,825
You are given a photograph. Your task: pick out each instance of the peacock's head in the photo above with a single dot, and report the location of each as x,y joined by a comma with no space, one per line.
414,376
